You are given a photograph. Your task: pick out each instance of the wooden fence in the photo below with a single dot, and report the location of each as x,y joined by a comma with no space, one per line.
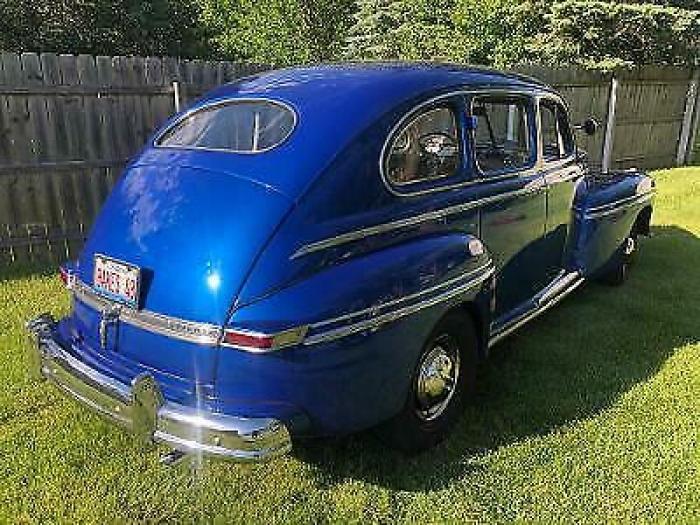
68,124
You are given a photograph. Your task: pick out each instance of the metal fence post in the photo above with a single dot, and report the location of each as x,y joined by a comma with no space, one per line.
610,126
687,132
176,95
694,123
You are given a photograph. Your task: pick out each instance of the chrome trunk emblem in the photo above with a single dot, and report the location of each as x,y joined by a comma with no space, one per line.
110,316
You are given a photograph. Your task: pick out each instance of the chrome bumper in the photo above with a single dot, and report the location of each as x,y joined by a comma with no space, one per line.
141,408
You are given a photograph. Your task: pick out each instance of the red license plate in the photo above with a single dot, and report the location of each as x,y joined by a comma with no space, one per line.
117,280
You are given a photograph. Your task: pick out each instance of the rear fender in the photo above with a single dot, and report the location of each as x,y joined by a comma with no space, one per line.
355,329
377,288
606,212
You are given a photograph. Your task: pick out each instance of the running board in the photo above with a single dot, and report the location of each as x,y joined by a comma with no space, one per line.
554,292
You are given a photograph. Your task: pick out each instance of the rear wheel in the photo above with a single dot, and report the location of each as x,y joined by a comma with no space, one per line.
617,275
443,379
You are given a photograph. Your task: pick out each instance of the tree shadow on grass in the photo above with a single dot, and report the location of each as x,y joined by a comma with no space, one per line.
570,364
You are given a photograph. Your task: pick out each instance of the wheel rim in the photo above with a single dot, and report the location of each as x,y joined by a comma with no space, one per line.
630,246
437,377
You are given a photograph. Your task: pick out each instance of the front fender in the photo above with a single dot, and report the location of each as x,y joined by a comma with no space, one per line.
606,212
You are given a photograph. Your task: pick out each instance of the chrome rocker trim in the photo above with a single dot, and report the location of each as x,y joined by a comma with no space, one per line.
552,294
190,331
141,408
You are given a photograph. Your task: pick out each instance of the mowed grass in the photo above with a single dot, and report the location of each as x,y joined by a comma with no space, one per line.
590,414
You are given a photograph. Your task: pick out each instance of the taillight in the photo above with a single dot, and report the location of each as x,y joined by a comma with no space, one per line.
249,340
257,342
67,276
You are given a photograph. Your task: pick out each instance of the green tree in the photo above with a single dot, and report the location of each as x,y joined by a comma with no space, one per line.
277,32
496,32
400,29
608,34
151,27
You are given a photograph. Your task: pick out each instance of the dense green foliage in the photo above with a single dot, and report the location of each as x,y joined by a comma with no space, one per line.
588,415
278,32
595,33
395,29
108,27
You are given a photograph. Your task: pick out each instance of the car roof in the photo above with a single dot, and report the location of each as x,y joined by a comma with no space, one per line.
364,79
336,102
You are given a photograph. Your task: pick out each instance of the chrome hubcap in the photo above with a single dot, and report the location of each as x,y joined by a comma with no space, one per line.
437,378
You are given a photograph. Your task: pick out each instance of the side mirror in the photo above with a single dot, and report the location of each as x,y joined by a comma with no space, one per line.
589,126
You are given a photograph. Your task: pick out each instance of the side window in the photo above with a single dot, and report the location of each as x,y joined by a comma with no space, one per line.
557,140
427,148
501,138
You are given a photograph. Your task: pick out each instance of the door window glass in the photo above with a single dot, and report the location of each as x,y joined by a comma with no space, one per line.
557,140
501,137
427,148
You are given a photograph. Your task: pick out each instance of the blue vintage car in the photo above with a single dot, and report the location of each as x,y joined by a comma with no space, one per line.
321,250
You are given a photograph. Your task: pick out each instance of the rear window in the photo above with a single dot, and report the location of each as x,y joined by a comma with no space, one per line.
249,126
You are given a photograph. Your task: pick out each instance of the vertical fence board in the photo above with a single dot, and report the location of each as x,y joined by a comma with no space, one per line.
96,112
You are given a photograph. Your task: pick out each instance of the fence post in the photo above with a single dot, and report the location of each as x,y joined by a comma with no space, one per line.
610,126
687,131
176,95
694,123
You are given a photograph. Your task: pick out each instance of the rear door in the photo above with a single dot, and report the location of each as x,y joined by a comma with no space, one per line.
513,220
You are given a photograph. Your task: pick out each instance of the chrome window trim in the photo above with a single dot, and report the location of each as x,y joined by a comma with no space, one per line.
516,172
377,229
223,102
205,334
409,123
532,92
552,164
374,323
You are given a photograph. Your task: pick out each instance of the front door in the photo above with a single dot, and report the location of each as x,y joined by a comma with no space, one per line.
561,173
512,221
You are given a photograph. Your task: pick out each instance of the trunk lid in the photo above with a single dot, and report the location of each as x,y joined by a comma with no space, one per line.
195,234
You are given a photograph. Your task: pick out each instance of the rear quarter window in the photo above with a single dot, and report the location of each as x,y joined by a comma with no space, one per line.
240,126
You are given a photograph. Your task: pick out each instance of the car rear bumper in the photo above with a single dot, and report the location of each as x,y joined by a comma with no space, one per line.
140,407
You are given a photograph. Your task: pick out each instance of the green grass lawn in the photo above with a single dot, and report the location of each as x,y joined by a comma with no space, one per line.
591,413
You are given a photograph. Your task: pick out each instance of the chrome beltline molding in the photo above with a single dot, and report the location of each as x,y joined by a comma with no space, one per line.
385,227
190,331
374,323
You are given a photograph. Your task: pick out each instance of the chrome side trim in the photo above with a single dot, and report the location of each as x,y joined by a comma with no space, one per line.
375,322
378,229
190,331
557,286
616,206
544,300
373,310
